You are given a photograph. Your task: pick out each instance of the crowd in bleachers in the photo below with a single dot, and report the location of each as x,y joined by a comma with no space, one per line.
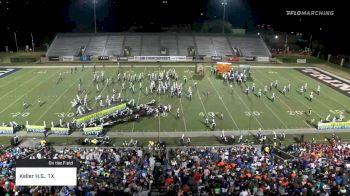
317,169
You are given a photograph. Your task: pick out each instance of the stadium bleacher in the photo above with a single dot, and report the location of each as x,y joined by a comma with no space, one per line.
134,41
183,43
250,46
150,44
170,42
114,45
313,169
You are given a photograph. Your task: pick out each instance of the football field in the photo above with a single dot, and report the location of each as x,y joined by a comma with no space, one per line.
212,96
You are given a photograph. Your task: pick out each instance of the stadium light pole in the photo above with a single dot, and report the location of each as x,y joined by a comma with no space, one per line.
223,3
95,15
31,34
16,41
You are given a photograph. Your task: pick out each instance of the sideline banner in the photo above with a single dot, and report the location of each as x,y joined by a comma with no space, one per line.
35,129
6,130
92,130
299,61
67,58
333,125
262,59
59,131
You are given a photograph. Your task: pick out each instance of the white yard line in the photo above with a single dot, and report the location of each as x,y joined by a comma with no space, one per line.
324,94
14,79
70,108
19,86
290,109
138,99
273,113
200,98
293,84
105,85
26,93
183,114
228,111
57,99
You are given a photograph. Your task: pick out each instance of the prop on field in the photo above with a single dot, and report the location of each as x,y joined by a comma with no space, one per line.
36,128
222,67
199,70
100,114
10,128
92,130
121,114
59,130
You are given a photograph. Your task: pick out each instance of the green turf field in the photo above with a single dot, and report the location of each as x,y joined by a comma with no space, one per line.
241,111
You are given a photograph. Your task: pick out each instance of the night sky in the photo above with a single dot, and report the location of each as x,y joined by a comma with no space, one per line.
46,17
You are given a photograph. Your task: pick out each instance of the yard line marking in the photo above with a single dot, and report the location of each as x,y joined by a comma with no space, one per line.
324,94
138,99
70,108
24,94
9,81
23,83
158,113
273,113
93,107
297,98
182,114
283,102
206,113
228,111
57,99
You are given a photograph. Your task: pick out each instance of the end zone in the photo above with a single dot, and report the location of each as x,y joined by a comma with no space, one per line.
7,71
330,80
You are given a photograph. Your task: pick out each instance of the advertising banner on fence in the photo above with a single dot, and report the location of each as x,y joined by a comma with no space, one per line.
92,130
85,58
216,58
262,59
233,59
54,58
333,125
68,58
122,58
178,58
250,58
6,130
35,129
59,131
160,58
103,58
299,61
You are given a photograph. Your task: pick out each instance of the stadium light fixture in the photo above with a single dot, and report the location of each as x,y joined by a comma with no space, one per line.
223,3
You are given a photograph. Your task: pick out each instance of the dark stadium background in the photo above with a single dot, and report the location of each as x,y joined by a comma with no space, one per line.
46,17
